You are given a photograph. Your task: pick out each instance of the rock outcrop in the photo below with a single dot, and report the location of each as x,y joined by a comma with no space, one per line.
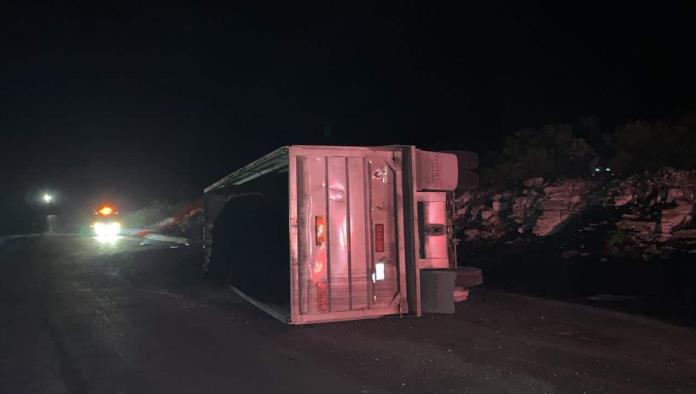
537,208
559,203
652,209
659,204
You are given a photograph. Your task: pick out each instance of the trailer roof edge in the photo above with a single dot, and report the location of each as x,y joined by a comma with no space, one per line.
273,161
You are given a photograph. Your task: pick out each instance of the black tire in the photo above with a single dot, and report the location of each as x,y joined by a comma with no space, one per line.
468,277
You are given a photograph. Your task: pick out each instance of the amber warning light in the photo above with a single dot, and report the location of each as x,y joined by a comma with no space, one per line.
320,228
106,211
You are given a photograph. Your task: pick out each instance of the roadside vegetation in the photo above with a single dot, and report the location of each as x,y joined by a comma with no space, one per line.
576,149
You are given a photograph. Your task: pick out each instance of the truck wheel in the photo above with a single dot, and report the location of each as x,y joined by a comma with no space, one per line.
469,277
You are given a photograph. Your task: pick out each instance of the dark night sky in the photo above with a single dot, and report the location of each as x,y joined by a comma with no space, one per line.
159,100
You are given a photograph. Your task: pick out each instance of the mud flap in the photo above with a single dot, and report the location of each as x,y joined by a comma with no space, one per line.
437,287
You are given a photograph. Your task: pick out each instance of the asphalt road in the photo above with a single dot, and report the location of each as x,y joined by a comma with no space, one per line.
77,316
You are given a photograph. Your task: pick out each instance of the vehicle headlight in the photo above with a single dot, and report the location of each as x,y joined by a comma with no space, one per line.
107,229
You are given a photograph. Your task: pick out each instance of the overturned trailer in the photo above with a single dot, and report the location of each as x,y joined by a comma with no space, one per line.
327,233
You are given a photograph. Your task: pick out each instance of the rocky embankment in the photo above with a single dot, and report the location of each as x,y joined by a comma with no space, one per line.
651,213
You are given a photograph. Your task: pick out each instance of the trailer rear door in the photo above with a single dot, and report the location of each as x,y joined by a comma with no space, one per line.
346,233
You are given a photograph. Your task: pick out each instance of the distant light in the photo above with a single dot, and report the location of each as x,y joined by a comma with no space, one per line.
598,169
47,198
607,169
106,211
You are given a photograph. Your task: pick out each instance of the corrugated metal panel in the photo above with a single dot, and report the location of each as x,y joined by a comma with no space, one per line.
339,281
382,208
348,248
359,240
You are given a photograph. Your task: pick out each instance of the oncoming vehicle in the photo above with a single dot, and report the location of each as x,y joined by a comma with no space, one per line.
106,224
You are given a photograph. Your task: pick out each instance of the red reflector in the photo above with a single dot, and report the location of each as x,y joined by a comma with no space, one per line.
379,238
323,296
320,229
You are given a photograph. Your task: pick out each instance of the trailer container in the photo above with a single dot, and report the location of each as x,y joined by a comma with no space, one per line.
316,234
